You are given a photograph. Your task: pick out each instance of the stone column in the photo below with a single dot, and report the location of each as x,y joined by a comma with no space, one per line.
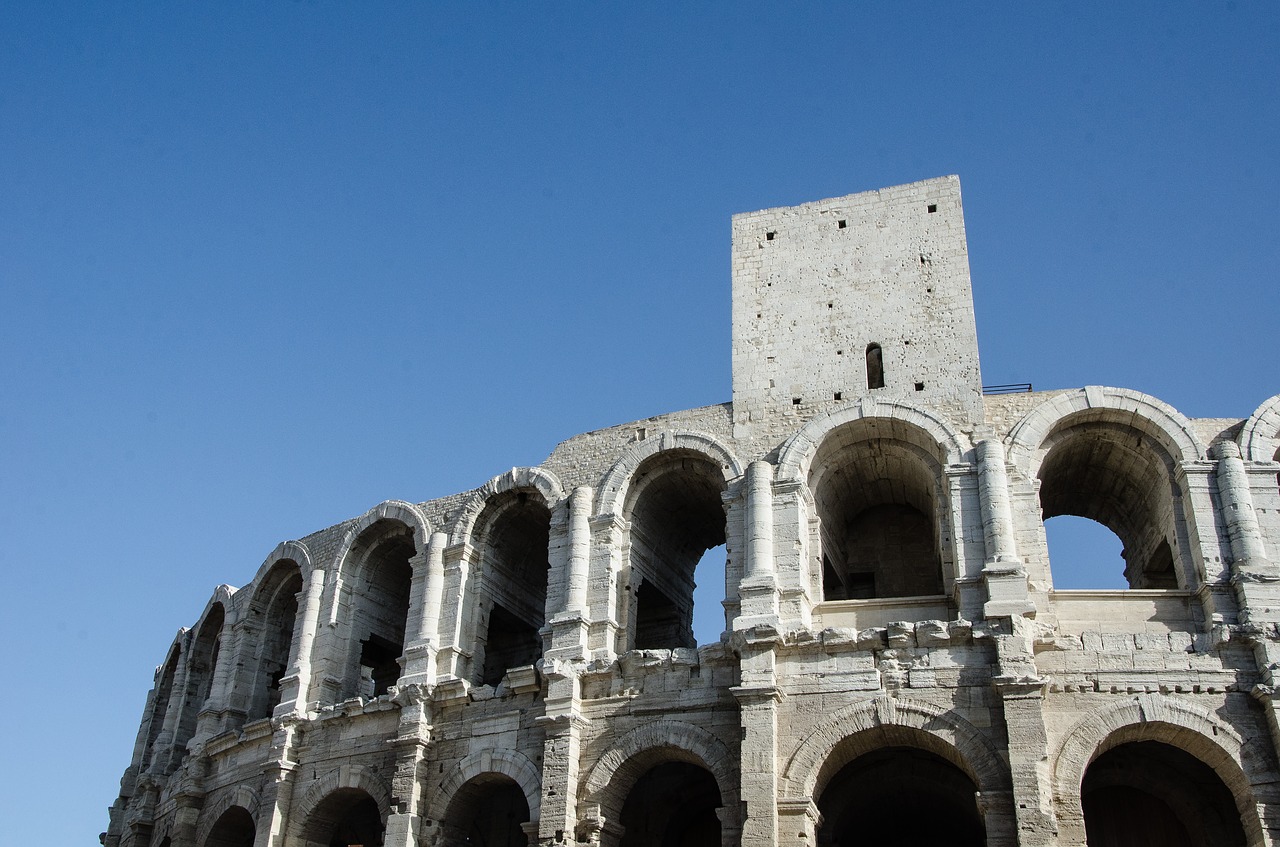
758,590
607,568
1247,550
451,659
1003,572
295,685
411,743
277,794
569,624
1022,691
420,654
1253,577
758,699
186,819
562,724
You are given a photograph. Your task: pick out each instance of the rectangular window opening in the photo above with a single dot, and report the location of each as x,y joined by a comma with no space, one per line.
919,386
933,207
842,224
795,401
769,236
837,395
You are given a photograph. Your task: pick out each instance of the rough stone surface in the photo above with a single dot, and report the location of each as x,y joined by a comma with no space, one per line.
515,664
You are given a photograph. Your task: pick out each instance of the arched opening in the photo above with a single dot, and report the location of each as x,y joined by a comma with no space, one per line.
275,609
672,805
487,811
202,662
234,828
676,515
160,706
1113,474
900,795
379,606
515,536
1150,794
708,595
1085,554
875,366
348,817
876,487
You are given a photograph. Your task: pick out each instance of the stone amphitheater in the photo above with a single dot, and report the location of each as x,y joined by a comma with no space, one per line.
516,664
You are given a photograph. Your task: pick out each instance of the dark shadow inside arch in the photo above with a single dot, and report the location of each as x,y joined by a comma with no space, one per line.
275,609
234,828
1149,794
877,505
514,565
1113,475
160,706
202,661
900,795
380,606
676,516
486,812
348,817
672,805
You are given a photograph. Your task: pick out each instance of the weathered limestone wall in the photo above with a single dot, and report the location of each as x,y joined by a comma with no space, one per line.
394,678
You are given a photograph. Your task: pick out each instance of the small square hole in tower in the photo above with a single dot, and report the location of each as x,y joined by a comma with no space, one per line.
795,401
933,207
837,395
842,224
769,236
919,386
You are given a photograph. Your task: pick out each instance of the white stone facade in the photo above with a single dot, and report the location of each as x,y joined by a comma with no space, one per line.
515,664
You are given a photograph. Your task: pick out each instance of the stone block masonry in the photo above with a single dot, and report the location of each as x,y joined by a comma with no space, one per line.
516,664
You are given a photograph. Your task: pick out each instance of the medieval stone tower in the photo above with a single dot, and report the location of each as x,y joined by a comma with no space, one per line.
515,664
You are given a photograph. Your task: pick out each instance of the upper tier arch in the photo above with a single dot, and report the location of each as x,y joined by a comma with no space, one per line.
398,510
1260,438
798,451
543,481
612,493
1145,413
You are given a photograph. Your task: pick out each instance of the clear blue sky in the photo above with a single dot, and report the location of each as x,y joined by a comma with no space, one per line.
266,264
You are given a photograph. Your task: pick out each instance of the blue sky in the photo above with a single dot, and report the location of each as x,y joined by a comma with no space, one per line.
266,264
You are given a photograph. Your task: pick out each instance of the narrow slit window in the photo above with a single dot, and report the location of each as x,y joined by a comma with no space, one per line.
875,366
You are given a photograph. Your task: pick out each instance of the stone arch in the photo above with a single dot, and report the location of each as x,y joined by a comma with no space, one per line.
295,551
270,622
371,601
504,529
206,653
875,477
1142,412
798,451
398,510
612,492
239,795
543,481
1111,456
166,681
931,727
1260,438
625,761
509,763
355,777
1156,717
